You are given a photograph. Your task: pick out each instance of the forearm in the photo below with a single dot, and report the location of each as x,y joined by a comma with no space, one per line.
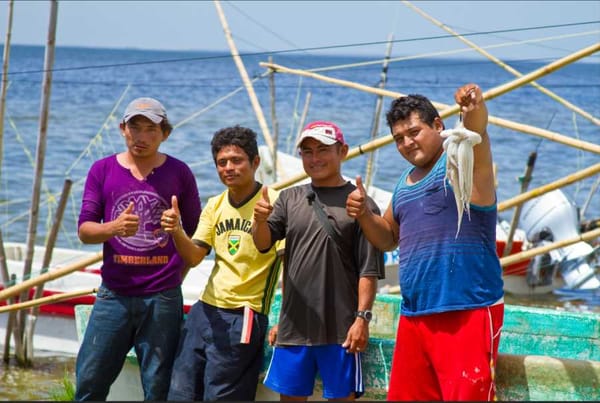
261,234
191,253
367,289
378,231
94,232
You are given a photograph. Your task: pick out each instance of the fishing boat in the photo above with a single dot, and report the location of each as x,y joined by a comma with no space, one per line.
544,354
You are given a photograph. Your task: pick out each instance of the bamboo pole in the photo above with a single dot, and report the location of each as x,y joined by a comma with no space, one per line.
4,84
274,120
40,156
521,256
51,275
46,300
39,291
517,213
377,112
303,117
446,110
505,66
244,75
567,180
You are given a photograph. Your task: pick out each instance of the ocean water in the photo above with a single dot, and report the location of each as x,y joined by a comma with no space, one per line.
91,87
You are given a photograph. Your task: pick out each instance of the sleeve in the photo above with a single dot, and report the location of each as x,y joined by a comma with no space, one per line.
278,219
205,230
92,204
189,203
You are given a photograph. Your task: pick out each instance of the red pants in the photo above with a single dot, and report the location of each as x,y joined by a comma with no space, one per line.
447,356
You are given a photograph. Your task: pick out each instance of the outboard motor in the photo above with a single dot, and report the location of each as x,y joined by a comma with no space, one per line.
554,215
542,268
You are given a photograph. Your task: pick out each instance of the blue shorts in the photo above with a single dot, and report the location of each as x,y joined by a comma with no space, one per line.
293,370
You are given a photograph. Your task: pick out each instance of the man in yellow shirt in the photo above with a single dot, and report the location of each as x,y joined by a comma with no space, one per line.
221,349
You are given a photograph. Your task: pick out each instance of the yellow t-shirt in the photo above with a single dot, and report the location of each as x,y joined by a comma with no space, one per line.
241,276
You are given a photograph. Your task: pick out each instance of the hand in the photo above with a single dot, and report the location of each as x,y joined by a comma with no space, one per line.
357,337
273,335
127,223
263,208
170,221
356,203
469,97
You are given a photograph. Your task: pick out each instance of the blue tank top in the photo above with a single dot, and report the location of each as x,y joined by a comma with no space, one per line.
440,272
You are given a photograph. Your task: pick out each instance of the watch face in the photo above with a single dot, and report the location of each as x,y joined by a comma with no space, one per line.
368,315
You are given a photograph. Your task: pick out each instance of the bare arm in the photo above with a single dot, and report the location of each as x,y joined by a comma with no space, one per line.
357,337
381,231
475,118
191,253
125,225
261,233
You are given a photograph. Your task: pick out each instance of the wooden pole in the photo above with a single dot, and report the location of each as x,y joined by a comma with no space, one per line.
50,275
46,300
567,180
446,110
377,113
303,117
521,256
274,121
4,84
517,213
247,83
39,291
40,156
505,66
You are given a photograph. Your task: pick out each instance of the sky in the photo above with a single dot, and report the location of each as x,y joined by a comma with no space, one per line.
322,26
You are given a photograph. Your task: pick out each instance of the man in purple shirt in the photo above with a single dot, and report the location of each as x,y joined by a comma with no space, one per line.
139,303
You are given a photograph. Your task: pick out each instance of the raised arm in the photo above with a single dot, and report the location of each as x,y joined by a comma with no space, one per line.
191,253
381,231
261,233
475,118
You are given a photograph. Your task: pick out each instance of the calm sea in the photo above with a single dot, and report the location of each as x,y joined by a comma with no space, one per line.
199,91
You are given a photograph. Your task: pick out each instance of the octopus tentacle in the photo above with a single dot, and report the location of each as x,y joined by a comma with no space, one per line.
458,144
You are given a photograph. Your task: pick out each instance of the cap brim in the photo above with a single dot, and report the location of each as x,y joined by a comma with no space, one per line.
323,139
152,116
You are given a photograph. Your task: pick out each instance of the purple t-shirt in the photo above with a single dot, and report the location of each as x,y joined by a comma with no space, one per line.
147,262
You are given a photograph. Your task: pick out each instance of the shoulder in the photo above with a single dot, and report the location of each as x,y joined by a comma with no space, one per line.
105,163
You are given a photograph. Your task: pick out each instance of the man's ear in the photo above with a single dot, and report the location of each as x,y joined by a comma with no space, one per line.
438,124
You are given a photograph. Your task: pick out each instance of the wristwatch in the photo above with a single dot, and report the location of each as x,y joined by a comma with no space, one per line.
366,315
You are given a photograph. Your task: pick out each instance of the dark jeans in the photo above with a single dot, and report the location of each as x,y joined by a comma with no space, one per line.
211,362
150,324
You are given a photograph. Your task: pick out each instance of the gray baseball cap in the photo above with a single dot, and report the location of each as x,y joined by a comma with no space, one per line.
148,107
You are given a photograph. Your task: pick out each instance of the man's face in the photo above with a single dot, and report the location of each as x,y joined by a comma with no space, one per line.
322,162
142,136
234,167
419,143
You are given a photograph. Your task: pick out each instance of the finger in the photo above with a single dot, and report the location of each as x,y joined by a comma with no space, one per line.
175,205
265,194
359,185
129,208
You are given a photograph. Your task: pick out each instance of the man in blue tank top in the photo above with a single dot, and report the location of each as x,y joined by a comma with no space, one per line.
451,283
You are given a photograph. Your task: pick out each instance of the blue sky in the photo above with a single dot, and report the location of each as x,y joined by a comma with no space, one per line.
282,25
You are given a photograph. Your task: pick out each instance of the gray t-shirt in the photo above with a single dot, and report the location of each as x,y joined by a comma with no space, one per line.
320,278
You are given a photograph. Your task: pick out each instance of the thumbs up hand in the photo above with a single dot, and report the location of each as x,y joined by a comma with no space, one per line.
356,203
263,208
170,221
127,223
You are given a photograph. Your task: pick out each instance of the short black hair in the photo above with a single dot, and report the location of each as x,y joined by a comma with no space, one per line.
242,137
401,109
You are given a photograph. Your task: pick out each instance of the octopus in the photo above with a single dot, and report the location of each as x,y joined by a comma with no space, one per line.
458,144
